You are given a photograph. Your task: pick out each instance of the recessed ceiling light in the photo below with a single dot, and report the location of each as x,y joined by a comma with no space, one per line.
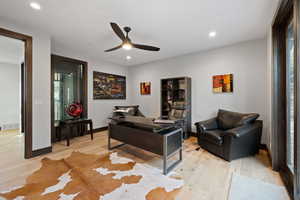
35,6
212,34
128,57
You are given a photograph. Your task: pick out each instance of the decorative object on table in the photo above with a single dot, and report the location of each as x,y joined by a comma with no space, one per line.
145,88
89,176
75,110
230,135
223,83
176,101
109,86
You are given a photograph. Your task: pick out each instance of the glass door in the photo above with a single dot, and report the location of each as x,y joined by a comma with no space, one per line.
67,88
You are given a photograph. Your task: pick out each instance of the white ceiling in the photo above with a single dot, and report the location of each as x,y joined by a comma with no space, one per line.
177,26
11,50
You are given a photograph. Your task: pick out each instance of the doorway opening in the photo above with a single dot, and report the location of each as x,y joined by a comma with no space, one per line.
22,93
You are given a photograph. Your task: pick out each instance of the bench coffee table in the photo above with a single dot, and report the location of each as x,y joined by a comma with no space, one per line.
162,139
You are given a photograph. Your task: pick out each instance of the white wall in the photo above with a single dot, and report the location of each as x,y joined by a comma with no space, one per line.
270,74
98,110
247,61
41,83
10,89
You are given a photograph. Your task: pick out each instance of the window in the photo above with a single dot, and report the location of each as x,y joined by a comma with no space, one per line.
290,88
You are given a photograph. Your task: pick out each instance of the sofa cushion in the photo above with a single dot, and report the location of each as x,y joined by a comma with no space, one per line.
228,120
214,136
123,112
127,110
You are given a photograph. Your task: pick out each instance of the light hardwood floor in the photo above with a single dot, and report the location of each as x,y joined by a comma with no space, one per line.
206,176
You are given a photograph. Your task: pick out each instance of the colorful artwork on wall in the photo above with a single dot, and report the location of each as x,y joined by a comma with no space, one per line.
145,88
223,83
109,86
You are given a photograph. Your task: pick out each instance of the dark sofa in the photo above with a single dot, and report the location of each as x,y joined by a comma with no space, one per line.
230,135
127,111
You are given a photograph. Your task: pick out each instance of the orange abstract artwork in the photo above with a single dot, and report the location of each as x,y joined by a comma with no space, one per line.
223,83
145,88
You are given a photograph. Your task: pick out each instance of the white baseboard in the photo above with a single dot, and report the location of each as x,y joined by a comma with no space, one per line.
10,126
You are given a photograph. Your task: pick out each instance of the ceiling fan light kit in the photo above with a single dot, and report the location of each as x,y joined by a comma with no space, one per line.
126,41
127,46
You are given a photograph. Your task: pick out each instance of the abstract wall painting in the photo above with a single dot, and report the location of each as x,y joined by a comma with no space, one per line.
145,88
108,86
223,83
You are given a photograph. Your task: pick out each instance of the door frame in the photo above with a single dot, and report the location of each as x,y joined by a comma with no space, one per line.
28,87
22,98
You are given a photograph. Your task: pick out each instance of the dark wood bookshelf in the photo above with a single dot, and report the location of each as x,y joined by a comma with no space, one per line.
176,95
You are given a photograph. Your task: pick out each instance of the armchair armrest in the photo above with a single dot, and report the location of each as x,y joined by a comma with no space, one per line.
139,113
244,130
210,124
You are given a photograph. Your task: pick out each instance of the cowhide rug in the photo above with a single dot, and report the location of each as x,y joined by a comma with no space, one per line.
92,177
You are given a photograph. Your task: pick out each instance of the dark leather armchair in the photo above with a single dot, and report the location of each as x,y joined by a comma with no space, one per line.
177,112
230,135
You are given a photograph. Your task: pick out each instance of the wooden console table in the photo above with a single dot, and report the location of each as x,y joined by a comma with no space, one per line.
162,139
70,124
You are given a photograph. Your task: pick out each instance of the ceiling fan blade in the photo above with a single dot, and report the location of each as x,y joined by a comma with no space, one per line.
112,49
118,31
145,47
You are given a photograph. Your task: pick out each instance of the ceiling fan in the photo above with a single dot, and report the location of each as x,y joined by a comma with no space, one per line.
126,41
